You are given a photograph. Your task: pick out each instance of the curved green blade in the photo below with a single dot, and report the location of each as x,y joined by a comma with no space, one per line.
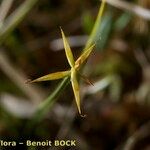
83,56
68,51
75,87
52,76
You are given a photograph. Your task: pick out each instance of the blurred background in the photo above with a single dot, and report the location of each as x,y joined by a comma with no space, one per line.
117,105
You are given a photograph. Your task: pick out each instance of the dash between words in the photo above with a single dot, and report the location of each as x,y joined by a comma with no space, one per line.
39,143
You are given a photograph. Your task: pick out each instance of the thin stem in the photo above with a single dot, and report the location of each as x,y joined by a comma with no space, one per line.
130,7
42,109
48,102
96,25
139,136
15,18
18,77
4,9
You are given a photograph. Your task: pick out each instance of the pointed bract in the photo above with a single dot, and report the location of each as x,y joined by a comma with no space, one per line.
68,51
72,72
75,87
83,56
52,76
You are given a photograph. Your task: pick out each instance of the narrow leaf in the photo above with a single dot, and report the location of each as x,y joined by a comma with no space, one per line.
75,87
52,76
84,56
68,51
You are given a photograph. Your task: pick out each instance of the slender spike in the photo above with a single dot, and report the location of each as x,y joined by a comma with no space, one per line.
75,87
68,51
83,56
86,79
51,76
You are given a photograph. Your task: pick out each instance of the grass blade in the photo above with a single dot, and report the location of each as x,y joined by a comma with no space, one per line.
68,51
52,76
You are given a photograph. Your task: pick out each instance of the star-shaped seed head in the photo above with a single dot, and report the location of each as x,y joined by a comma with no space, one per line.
72,72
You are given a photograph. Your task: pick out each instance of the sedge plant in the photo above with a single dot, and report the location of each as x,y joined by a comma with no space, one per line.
72,72
69,75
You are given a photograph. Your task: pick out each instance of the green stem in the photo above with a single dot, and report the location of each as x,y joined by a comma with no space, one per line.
96,25
49,101
15,18
43,108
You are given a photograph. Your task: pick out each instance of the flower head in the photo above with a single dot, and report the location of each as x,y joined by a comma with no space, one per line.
72,72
